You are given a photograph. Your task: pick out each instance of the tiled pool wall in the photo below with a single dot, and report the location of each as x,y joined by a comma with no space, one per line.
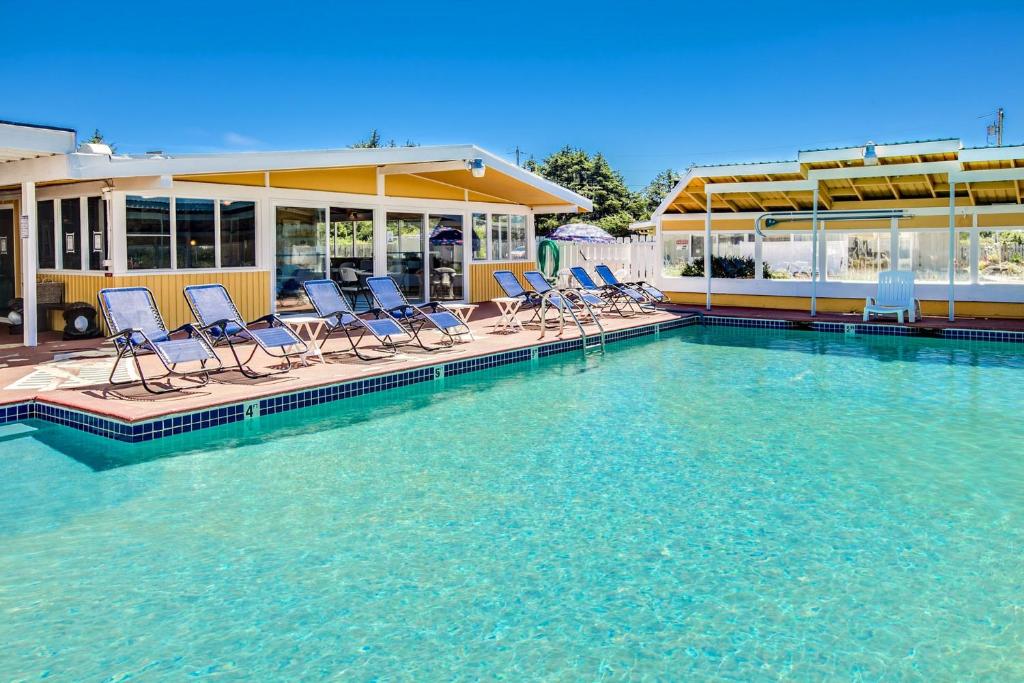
867,328
211,417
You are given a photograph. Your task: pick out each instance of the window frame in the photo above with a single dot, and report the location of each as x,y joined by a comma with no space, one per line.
488,231
173,197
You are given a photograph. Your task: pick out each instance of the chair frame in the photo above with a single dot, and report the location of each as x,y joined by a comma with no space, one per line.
348,326
419,318
210,329
642,287
617,298
124,342
911,307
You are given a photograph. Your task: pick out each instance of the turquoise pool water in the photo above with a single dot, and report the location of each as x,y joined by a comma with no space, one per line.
719,503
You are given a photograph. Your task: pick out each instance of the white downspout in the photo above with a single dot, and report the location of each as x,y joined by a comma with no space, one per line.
29,228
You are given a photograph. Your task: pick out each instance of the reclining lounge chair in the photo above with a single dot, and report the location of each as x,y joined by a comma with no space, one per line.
220,321
136,328
332,305
392,303
647,290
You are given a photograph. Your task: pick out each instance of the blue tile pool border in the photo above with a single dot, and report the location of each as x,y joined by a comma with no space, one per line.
136,432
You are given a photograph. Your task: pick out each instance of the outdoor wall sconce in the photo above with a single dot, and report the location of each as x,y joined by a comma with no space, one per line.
476,166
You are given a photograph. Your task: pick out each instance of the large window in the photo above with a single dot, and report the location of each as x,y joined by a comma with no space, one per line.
499,237
194,238
96,209
679,252
788,256
857,256
71,233
479,236
148,232
194,233
237,234
45,227
926,252
500,246
1001,256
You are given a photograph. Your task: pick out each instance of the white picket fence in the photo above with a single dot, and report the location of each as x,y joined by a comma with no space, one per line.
634,258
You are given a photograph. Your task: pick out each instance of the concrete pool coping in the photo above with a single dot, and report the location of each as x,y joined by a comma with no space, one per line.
139,417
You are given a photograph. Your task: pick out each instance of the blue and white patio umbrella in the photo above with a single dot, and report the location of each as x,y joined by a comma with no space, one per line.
444,235
581,232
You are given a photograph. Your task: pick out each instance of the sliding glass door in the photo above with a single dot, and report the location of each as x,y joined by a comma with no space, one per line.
301,254
350,236
447,252
405,260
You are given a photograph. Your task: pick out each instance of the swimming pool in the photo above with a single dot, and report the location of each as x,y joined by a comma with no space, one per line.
743,504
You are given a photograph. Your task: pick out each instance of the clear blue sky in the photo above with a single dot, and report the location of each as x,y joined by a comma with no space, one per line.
652,85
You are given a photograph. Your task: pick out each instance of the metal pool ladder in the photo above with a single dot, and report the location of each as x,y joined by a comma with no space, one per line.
591,343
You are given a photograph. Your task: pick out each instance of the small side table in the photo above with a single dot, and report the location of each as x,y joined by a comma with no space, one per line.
312,326
509,320
462,312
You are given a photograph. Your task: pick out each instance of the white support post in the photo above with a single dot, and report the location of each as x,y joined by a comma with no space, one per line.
28,229
814,251
952,245
707,248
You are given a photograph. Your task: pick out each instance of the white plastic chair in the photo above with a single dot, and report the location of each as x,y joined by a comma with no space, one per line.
895,296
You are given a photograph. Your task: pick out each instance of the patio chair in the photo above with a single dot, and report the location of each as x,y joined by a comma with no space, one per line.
509,284
136,328
895,296
332,305
649,291
621,300
392,302
564,300
220,321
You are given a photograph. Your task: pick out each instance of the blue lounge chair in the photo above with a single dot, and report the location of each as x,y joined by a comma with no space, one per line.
564,298
649,291
393,303
622,301
220,321
332,305
136,328
509,284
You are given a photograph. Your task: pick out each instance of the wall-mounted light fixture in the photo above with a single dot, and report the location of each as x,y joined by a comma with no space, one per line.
476,166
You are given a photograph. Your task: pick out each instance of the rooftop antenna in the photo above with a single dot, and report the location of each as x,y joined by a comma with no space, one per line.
995,129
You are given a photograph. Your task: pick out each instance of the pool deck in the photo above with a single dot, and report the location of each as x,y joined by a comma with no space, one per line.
72,374
134,404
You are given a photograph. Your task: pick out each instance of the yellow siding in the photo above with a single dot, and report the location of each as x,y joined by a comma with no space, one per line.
482,285
967,309
250,290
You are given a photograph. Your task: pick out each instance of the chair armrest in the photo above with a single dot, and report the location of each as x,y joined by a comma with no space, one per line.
126,332
272,320
187,327
869,301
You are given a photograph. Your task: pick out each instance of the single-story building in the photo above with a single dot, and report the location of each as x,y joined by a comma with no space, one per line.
439,219
813,233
